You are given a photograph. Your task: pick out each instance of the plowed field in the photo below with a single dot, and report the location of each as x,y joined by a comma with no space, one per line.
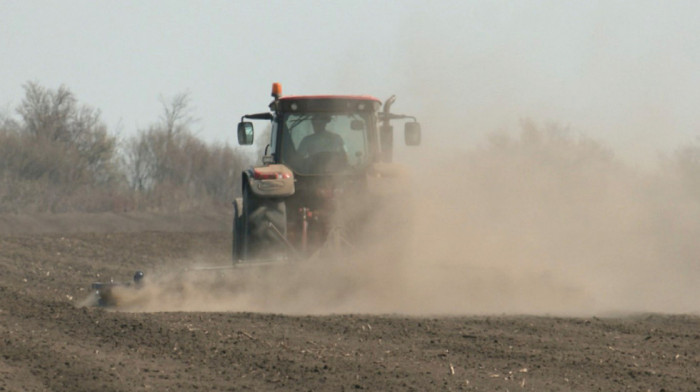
50,343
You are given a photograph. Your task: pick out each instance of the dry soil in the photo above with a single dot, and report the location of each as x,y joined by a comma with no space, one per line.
49,343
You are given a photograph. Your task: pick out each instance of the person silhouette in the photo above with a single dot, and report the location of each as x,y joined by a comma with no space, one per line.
322,140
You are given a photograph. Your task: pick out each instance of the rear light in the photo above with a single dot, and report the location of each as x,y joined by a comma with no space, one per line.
305,212
258,175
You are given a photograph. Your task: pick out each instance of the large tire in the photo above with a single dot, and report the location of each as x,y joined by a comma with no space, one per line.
261,241
237,236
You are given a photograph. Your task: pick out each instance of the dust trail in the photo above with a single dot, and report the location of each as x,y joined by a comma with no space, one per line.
541,223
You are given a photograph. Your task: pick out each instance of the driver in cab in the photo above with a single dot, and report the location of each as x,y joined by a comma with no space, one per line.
321,140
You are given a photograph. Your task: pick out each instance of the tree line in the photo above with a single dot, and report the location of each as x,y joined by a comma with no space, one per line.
57,155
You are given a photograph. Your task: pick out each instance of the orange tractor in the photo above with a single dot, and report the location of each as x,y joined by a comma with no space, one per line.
312,192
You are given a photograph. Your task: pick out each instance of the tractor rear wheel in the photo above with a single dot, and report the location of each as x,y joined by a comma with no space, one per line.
263,222
237,231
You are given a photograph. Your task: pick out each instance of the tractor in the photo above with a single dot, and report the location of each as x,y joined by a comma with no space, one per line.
320,182
313,191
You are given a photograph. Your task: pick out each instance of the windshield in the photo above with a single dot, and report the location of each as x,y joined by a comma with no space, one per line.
318,143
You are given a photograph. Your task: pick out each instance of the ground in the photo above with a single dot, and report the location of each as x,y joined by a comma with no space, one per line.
49,342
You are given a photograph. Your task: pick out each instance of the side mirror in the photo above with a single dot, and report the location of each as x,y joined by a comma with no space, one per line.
412,133
245,133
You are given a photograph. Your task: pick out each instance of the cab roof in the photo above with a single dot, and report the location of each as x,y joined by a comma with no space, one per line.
326,103
350,97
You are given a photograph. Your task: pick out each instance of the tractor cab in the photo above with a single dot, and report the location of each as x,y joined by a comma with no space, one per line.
330,135
325,134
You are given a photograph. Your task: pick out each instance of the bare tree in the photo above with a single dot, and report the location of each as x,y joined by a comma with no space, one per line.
177,114
54,119
57,150
166,161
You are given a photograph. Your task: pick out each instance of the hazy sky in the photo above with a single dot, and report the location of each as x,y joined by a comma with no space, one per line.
625,72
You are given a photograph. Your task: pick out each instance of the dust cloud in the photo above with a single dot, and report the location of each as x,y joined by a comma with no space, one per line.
548,222
541,222
537,218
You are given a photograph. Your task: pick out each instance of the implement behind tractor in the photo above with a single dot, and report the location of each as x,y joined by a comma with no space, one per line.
312,192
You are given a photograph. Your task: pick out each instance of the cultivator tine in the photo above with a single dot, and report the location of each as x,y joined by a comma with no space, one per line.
335,243
284,240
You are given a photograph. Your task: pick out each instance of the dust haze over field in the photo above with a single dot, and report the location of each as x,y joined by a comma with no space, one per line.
559,173
510,215
541,222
